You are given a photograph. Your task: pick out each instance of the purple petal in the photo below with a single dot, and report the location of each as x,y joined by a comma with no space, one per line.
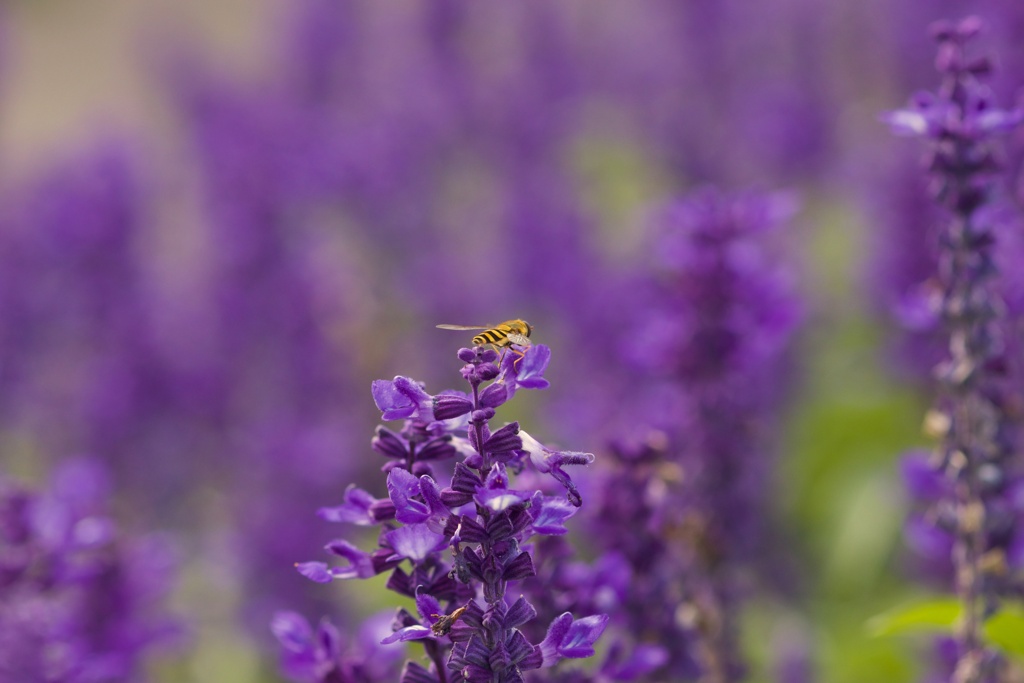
906,122
641,661
292,630
557,631
415,541
355,509
582,634
549,514
414,673
499,500
439,512
428,606
922,480
422,402
998,120
316,571
360,563
330,639
416,632
927,540
402,486
390,401
532,367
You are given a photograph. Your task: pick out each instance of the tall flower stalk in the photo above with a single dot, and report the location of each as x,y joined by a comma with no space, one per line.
960,123
683,497
457,549
720,327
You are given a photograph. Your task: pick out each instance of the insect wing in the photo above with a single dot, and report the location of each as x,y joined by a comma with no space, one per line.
518,339
463,327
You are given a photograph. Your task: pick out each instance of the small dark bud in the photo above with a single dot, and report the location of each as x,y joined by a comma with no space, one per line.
448,406
388,444
482,415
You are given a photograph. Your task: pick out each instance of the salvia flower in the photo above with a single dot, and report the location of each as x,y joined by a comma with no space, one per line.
79,601
973,504
713,347
321,656
692,429
456,543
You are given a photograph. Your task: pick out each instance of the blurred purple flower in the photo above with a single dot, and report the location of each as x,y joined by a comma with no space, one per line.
969,512
81,602
321,656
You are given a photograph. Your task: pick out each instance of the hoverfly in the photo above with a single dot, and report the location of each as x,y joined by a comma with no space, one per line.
501,336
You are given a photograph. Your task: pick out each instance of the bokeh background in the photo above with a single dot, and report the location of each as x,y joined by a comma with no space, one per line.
221,220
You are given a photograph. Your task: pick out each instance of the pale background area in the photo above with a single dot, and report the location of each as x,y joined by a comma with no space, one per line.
71,68
74,69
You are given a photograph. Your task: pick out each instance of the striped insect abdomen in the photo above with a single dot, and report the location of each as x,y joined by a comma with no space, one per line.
492,336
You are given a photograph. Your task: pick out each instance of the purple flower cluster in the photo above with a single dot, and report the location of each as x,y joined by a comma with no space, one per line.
682,499
969,489
321,655
79,601
224,372
464,531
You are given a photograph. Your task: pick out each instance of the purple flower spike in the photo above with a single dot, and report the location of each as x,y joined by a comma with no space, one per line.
963,516
572,639
304,656
322,656
81,600
458,565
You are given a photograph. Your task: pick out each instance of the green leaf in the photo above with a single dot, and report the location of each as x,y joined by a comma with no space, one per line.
1006,630
931,614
